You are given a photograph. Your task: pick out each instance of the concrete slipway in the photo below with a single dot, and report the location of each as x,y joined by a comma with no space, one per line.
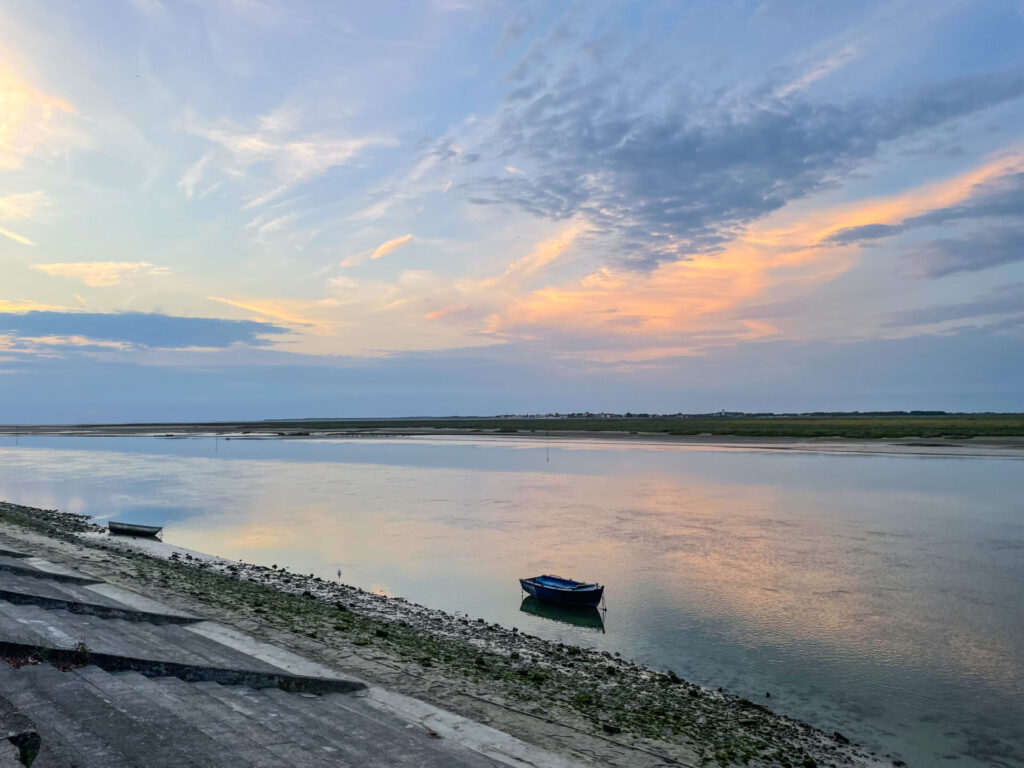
95,676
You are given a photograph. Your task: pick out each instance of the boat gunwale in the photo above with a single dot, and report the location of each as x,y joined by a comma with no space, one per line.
577,586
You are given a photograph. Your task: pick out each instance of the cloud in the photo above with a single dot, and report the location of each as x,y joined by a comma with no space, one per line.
20,206
135,329
702,301
438,314
517,24
391,245
1004,300
72,341
999,195
755,286
293,312
996,198
275,224
191,178
7,305
23,205
30,122
865,232
277,152
970,253
383,249
684,173
822,69
15,237
519,271
97,274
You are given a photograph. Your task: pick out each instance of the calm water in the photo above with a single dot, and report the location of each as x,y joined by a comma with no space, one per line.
879,595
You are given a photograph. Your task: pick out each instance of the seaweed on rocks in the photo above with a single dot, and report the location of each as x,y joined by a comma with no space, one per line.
61,525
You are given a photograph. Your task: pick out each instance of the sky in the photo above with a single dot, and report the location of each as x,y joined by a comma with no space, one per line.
226,209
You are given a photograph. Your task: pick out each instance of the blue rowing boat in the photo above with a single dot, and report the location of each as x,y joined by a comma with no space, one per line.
555,589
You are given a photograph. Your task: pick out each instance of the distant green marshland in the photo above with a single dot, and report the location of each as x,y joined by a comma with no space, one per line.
860,426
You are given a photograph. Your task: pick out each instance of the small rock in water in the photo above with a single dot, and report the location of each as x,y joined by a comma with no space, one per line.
768,694
840,738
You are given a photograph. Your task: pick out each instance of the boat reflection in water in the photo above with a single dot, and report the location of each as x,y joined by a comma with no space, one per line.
582,616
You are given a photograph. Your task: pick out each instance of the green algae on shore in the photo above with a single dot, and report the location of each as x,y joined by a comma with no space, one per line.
615,698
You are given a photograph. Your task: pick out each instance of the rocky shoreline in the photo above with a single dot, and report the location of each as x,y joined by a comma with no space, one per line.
593,692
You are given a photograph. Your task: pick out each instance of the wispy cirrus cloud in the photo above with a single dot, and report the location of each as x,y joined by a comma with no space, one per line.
15,236
821,69
18,207
308,315
274,153
23,205
192,177
388,246
440,314
99,274
30,122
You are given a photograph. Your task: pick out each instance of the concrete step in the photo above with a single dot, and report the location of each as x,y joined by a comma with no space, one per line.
66,740
94,719
21,583
271,654
21,589
135,600
19,738
201,646
31,566
113,636
156,727
132,738
350,721
212,718
88,718
357,737
295,739
340,729
117,637
154,650
200,699
195,648
29,624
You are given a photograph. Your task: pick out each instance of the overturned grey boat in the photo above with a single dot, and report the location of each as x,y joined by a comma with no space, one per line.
131,529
